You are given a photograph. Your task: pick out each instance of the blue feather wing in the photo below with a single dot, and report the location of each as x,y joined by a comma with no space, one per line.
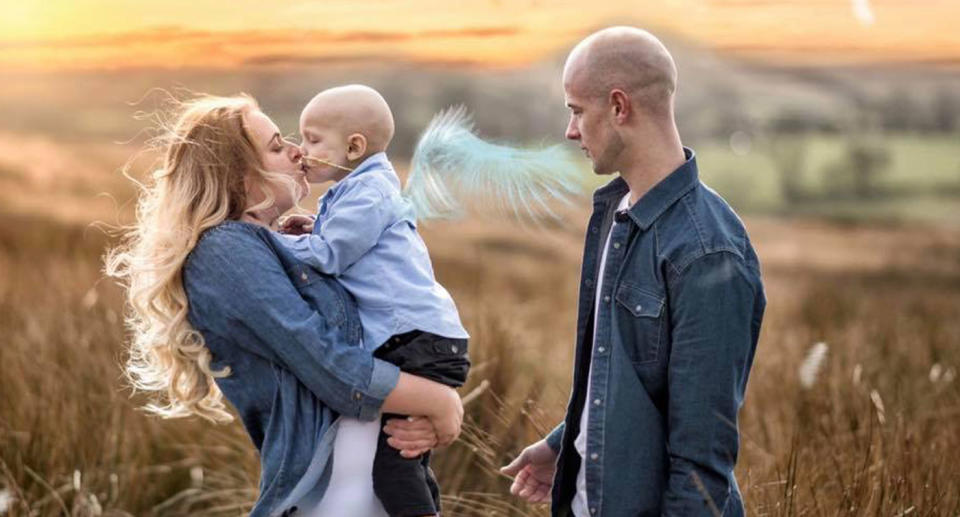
453,169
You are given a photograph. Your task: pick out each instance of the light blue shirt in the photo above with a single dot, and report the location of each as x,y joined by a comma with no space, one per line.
365,235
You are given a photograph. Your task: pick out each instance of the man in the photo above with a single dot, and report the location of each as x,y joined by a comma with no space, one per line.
669,310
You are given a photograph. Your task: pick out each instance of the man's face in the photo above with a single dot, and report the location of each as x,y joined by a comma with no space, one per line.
590,125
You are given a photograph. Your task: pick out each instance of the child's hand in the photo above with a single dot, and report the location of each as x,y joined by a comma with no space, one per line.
296,224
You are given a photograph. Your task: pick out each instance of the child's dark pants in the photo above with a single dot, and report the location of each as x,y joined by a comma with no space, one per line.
406,486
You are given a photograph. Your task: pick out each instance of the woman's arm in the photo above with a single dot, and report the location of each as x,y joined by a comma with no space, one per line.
242,280
439,403
235,278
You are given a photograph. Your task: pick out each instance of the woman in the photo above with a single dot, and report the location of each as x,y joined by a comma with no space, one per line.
219,309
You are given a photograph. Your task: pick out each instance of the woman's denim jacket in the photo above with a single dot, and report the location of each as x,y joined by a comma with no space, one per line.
291,337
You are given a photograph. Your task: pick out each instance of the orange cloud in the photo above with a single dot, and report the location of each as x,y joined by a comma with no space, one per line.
164,46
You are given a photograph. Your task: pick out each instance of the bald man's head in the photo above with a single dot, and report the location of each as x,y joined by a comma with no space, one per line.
624,58
619,85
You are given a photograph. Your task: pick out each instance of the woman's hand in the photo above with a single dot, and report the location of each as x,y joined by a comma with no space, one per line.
447,418
412,436
440,404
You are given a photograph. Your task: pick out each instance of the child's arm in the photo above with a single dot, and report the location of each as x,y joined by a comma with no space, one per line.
351,228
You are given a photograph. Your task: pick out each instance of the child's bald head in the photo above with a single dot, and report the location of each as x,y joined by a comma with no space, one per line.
341,127
353,109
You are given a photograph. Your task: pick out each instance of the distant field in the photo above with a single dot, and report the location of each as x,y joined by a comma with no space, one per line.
920,182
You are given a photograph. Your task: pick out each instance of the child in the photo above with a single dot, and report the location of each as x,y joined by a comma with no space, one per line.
364,234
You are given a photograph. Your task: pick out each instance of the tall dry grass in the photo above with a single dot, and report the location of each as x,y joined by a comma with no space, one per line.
874,433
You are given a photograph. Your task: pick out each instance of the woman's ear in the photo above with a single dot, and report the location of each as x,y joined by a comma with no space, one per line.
356,146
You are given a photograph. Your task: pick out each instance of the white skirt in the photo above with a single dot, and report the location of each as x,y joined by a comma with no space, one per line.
350,491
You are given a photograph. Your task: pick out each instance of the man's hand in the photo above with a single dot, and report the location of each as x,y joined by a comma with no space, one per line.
296,224
533,472
412,436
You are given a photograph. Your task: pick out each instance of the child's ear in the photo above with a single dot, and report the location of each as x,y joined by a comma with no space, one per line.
356,146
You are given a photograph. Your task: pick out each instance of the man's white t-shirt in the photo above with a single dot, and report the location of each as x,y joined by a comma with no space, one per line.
579,503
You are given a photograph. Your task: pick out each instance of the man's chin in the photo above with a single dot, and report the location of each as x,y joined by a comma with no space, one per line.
601,170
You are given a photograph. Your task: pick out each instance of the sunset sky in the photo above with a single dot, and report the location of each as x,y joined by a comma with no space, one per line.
95,34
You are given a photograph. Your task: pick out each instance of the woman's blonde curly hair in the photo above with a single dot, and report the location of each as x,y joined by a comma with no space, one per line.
208,166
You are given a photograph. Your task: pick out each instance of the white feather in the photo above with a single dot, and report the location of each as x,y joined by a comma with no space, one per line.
810,367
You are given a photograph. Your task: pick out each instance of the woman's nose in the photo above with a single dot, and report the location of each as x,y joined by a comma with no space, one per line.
295,152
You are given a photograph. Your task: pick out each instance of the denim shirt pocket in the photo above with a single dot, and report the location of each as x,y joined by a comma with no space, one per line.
312,287
639,322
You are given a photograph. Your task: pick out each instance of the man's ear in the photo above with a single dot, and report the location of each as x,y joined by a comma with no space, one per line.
356,146
620,105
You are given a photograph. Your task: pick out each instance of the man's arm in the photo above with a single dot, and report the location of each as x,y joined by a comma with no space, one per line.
352,228
711,311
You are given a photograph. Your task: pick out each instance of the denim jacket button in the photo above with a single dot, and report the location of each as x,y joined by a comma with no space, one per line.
601,349
616,245
638,308
596,402
303,276
454,349
606,298
357,396
594,456
593,510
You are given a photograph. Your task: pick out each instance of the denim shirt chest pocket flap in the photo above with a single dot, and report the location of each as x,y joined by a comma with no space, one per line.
640,321
319,294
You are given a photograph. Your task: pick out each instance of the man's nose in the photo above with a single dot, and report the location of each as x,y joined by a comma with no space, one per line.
572,132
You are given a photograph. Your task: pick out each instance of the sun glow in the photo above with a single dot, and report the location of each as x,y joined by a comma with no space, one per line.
91,34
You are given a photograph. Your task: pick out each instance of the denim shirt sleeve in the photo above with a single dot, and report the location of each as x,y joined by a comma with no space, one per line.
256,295
711,310
555,438
353,226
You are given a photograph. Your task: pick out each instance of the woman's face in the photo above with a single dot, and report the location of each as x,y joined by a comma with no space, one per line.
278,156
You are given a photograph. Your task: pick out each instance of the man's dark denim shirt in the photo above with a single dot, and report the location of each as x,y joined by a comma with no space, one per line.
291,337
678,322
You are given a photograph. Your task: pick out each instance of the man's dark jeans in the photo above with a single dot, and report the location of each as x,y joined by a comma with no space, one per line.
406,486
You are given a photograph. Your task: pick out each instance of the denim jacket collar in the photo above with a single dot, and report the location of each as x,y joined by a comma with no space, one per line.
659,198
